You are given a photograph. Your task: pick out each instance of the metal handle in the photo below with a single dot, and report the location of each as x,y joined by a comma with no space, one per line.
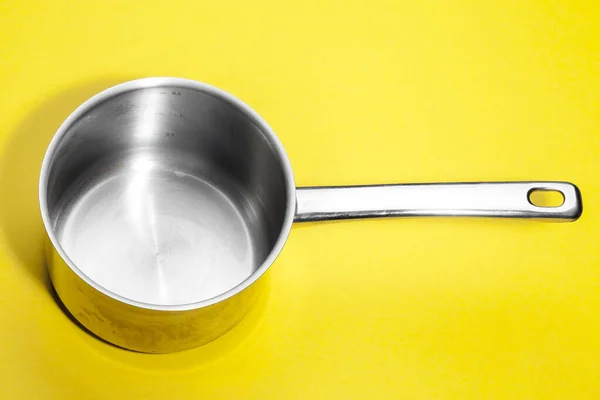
485,199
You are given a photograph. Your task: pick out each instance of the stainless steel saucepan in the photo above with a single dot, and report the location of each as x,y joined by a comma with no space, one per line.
165,200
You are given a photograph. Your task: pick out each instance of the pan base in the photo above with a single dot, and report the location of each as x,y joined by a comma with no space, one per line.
161,237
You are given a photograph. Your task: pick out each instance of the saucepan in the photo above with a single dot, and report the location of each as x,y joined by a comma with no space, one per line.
165,200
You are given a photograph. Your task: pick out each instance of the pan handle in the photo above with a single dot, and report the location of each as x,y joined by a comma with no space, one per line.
483,199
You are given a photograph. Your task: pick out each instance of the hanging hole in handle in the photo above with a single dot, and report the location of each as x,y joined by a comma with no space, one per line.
546,198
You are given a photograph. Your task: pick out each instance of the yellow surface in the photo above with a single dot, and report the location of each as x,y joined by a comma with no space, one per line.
359,92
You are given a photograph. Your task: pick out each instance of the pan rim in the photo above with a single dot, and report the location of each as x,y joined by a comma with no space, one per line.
153,82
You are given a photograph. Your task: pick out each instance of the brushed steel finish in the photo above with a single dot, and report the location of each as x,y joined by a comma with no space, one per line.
179,238
165,200
491,199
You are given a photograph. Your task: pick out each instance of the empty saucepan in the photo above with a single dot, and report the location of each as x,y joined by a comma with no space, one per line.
165,200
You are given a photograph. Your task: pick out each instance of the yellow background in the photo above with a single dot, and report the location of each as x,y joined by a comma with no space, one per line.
359,92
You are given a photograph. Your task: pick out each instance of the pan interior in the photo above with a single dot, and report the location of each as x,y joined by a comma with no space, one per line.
167,206
161,236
